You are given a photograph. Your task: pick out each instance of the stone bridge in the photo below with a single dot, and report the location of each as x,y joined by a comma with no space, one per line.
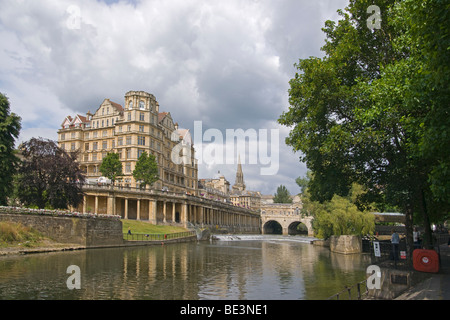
284,218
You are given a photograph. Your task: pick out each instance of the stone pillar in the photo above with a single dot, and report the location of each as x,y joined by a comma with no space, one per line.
152,211
183,218
173,212
164,212
84,203
138,213
126,208
111,205
96,205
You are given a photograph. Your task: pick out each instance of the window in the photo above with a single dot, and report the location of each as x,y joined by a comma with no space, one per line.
86,146
104,133
140,152
141,140
141,105
128,140
63,136
129,116
105,145
141,116
130,105
141,128
120,141
94,157
95,146
128,167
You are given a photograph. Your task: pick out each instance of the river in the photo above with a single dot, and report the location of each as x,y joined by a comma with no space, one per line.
232,267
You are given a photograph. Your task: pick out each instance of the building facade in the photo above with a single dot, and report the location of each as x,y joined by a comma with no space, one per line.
215,188
130,130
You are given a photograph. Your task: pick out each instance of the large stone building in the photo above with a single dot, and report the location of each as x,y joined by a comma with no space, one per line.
129,131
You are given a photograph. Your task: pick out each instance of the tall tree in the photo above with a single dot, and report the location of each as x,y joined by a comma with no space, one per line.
357,113
146,170
9,131
49,176
282,195
111,167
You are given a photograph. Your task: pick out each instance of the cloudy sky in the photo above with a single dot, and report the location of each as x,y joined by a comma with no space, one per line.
225,64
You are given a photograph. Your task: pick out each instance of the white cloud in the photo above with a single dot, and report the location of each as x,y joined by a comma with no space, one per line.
227,63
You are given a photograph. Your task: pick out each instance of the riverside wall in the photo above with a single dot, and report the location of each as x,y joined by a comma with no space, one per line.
88,232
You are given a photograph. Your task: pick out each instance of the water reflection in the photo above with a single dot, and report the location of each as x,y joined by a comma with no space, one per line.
190,271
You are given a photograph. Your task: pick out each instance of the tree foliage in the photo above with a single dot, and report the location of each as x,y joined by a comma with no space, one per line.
282,195
146,170
111,167
374,109
9,131
49,176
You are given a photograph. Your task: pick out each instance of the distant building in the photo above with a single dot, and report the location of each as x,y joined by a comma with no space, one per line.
239,196
217,188
129,131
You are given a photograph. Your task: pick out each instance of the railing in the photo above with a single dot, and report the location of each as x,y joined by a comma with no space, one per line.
352,292
157,236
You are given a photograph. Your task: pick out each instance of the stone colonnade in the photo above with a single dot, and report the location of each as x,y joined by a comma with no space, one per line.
169,208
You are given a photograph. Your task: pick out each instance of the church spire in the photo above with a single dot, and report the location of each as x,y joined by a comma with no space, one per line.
239,183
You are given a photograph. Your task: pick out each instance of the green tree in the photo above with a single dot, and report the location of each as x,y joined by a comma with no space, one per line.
146,170
303,182
9,131
111,167
340,215
369,110
282,195
49,176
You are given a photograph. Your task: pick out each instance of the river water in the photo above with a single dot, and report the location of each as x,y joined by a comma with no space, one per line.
232,267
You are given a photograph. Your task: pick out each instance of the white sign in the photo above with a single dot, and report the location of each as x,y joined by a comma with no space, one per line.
376,249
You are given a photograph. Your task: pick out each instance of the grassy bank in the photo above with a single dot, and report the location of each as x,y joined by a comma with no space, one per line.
146,227
16,234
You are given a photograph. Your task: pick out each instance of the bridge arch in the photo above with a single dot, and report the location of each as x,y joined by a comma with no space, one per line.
298,228
272,227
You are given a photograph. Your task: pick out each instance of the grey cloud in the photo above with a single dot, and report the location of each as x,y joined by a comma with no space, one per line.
227,63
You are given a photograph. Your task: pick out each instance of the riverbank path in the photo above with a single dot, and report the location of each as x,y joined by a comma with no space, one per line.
437,286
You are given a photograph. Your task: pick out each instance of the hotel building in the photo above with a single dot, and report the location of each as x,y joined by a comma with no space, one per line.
130,130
